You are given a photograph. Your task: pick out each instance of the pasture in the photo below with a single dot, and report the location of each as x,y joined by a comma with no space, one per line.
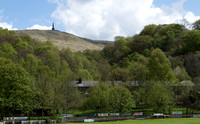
152,121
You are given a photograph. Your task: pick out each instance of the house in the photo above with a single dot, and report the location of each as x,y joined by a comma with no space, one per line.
86,86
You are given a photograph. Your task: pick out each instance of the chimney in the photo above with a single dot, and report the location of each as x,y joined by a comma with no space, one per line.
79,81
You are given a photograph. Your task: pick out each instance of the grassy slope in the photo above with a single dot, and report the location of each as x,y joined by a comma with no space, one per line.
153,121
62,39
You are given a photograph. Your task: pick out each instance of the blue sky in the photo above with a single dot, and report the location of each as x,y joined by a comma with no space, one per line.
25,13
189,5
95,19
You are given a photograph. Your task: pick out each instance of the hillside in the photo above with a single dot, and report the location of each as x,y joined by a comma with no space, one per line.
63,40
164,58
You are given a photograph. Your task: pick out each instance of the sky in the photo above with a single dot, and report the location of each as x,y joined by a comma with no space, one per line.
95,19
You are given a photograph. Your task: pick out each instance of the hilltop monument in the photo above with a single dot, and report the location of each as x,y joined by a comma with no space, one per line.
53,27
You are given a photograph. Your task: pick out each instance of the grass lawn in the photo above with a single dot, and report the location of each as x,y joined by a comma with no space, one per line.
153,121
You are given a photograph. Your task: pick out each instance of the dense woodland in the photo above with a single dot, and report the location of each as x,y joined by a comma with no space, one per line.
35,77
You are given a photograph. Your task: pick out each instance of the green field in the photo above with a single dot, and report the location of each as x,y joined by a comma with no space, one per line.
153,121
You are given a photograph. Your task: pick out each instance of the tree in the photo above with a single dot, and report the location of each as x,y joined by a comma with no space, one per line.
124,63
160,96
105,99
45,89
121,99
138,72
192,65
70,58
181,74
121,49
191,41
120,74
17,94
7,51
176,61
185,23
134,56
84,74
7,36
98,99
108,51
49,54
20,44
140,43
105,70
140,97
4,61
185,96
196,25
167,37
65,70
87,69
72,98
149,30
31,64
160,67
196,93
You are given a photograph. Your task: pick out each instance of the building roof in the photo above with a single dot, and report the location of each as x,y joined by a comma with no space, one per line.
121,83
86,83
115,83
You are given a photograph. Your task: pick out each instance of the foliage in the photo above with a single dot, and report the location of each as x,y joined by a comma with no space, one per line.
149,30
138,70
70,97
140,43
196,94
120,74
181,74
160,97
166,37
113,99
108,51
49,74
186,96
140,97
20,44
120,99
155,95
98,99
191,41
192,65
16,92
160,67
7,51
196,25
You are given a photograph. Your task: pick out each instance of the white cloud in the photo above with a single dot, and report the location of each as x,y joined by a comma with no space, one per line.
189,16
5,25
105,19
40,27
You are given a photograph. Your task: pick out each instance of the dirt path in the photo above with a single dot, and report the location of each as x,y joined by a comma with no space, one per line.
1,122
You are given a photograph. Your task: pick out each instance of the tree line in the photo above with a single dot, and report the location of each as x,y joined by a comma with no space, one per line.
36,78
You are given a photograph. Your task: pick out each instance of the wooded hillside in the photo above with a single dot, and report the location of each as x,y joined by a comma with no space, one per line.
37,75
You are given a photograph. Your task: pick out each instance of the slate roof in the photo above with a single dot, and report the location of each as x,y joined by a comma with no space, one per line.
86,83
121,83
115,83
